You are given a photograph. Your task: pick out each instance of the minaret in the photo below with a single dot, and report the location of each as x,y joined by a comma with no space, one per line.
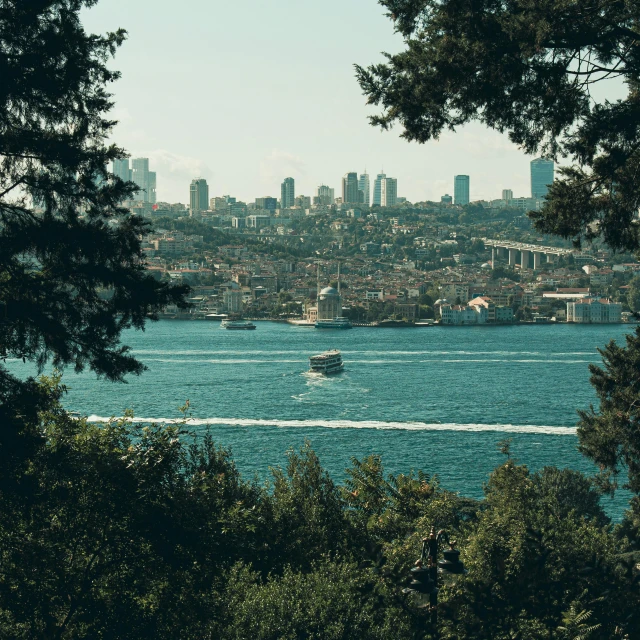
338,277
318,280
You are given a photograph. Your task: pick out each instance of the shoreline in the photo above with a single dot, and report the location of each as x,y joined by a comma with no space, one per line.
416,325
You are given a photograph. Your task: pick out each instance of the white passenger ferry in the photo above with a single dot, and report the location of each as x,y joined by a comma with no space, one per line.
334,323
237,324
327,362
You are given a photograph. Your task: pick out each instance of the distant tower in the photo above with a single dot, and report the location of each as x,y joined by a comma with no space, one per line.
507,195
541,177
325,195
120,168
350,188
287,193
365,188
377,188
198,195
461,190
388,192
145,179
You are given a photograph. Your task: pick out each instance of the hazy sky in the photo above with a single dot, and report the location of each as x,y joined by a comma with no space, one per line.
247,93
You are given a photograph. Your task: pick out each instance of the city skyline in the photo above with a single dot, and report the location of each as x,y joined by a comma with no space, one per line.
355,188
247,145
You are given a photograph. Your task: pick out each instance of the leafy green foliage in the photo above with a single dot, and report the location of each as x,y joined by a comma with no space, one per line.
610,435
533,554
333,601
307,516
527,69
119,530
633,294
574,624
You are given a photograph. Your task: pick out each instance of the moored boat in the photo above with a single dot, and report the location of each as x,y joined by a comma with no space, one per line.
328,362
334,323
237,324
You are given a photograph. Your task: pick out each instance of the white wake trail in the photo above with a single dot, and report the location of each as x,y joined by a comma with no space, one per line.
354,424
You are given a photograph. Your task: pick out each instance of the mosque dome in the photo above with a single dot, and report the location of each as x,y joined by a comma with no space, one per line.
329,291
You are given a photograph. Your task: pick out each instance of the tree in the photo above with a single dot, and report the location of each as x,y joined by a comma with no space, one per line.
633,294
610,434
64,238
119,530
527,69
533,555
333,601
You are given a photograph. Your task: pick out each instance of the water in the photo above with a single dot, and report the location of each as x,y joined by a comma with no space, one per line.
437,399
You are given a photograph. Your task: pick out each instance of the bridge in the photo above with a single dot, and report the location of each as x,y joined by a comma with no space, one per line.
528,252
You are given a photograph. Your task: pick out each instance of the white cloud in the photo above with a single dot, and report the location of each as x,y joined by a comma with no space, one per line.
177,166
279,165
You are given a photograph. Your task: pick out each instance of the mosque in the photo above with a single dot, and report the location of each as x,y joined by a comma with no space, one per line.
328,305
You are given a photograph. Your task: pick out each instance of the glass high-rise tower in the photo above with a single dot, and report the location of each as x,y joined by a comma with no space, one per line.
145,179
324,195
120,168
287,193
350,188
388,192
541,177
377,188
365,188
461,190
198,195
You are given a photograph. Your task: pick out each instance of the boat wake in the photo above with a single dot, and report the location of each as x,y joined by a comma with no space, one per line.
353,424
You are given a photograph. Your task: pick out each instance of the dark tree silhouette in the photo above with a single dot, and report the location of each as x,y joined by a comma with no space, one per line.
527,68
72,273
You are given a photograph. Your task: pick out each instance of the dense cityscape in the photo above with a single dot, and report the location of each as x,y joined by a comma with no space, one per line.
453,262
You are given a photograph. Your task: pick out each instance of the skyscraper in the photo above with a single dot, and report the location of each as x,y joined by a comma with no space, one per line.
350,188
461,190
325,195
198,195
541,177
377,187
145,179
388,192
365,188
287,193
507,195
120,168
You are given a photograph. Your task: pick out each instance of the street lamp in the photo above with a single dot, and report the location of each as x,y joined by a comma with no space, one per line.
424,575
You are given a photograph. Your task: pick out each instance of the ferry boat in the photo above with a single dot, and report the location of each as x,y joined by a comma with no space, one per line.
327,362
237,324
335,323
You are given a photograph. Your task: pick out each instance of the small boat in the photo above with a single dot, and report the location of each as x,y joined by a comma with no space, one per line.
335,323
237,324
327,362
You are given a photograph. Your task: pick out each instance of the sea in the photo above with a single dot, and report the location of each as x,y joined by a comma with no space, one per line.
439,399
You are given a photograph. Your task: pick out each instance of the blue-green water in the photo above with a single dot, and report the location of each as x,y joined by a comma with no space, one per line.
437,399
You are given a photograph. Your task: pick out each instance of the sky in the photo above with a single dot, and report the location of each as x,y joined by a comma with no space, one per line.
247,93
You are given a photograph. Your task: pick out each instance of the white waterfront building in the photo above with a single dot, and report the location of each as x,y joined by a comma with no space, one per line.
455,314
594,311
232,300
